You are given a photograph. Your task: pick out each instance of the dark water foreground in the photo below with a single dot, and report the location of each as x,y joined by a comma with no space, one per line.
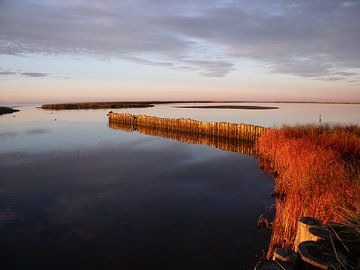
76,194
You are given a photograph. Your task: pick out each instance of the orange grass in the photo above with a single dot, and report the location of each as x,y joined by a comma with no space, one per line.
317,168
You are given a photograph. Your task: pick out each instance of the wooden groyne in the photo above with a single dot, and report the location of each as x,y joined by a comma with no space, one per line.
227,144
238,138
215,129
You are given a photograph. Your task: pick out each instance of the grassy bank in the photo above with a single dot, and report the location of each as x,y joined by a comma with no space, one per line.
237,107
317,171
151,103
6,110
96,105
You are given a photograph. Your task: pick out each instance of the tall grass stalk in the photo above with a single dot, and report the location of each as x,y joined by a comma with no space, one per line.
318,170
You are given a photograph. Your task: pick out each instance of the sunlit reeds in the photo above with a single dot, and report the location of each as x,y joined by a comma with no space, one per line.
317,170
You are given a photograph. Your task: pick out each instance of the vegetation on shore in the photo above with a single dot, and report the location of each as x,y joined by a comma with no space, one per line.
96,105
111,104
6,110
239,107
317,171
142,104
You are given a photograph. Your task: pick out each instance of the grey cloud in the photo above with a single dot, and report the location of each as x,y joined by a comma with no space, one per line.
335,78
149,62
314,39
7,72
213,68
29,74
356,82
35,74
310,39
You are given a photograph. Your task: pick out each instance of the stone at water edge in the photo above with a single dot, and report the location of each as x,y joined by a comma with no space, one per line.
285,255
302,233
273,265
318,255
321,233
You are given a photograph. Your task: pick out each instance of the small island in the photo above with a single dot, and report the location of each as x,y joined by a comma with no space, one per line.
238,107
7,110
96,105
150,103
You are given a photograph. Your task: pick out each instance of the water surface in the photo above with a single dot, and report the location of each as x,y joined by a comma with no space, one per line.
76,194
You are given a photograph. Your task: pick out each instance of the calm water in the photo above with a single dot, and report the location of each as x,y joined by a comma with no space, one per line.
75,194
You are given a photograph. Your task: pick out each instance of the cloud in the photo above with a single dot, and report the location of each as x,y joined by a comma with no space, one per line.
148,62
6,72
27,74
35,74
312,39
210,68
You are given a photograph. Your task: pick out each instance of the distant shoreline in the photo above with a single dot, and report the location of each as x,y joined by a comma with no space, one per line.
238,107
96,105
7,110
145,104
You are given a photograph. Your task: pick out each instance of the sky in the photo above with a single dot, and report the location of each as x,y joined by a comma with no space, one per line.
87,50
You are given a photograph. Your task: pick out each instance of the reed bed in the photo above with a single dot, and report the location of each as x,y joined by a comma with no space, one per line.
317,172
96,105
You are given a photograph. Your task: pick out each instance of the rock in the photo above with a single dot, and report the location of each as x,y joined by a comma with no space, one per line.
320,233
318,255
285,255
273,265
303,233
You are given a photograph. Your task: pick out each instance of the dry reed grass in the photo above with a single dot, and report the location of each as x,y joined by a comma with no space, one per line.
317,168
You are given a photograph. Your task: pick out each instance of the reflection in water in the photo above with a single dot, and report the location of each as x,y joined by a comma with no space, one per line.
75,194
245,147
129,207
95,198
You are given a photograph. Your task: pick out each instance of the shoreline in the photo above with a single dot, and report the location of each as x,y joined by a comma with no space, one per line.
7,110
316,171
150,103
236,107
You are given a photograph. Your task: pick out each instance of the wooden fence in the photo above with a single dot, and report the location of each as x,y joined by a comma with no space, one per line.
222,129
225,136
